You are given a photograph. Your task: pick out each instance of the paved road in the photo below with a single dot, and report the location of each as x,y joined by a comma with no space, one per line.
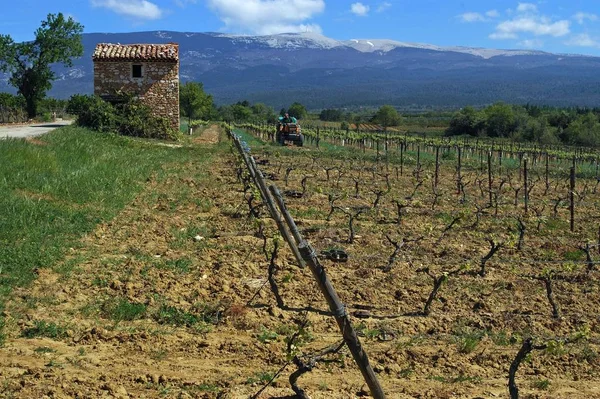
30,130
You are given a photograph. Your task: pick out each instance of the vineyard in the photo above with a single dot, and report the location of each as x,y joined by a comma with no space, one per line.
444,269
457,261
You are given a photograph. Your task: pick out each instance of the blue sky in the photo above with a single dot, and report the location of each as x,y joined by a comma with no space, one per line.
551,25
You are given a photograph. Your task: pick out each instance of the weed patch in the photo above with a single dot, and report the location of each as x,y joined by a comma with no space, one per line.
120,309
42,328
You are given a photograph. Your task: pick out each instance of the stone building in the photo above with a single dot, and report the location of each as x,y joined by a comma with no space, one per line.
149,72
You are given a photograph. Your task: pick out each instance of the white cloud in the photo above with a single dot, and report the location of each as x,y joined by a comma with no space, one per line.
531,43
492,14
265,17
141,9
538,26
384,6
359,9
478,17
582,40
526,7
580,17
471,17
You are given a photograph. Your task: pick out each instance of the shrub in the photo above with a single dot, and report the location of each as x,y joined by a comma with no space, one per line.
93,112
46,117
129,118
136,119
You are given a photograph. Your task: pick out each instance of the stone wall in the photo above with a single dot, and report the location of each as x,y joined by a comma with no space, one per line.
158,87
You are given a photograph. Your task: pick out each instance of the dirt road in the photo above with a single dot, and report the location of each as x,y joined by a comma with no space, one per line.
24,131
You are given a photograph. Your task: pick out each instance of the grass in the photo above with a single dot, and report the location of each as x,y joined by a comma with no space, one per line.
42,328
467,339
53,194
185,236
180,265
468,343
2,334
120,309
266,336
251,140
261,377
542,384
174,316
200,319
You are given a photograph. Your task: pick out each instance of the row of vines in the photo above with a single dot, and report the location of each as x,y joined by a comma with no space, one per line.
459,259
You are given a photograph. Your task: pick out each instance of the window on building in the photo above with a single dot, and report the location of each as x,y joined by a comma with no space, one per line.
136,71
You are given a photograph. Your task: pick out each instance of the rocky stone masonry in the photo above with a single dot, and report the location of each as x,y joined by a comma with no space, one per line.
158,87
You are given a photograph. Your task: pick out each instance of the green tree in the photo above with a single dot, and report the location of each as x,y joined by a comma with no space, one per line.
466,121
225,113
57,40
387,116
333,115
241,113
263,113
584,130
500,120
297,110
194,102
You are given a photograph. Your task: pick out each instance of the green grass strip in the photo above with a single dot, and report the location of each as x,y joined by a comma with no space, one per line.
55,193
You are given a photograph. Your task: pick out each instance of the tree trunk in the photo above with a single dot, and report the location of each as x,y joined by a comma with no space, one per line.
31,107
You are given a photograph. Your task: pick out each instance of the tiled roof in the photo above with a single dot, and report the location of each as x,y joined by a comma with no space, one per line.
136,52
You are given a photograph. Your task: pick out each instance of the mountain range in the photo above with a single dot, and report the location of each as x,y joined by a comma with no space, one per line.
320,72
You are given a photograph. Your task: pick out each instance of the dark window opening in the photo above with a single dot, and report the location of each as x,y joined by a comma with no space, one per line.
136,71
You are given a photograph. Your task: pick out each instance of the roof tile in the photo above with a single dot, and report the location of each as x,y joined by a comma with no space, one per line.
136,52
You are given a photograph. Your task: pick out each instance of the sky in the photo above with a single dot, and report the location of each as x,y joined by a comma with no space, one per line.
556,26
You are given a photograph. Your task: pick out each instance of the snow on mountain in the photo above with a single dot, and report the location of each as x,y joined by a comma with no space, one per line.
317,41
287,40
383,45
163,35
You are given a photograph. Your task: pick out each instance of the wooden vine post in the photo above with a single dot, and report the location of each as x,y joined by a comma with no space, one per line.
547,170
437,166
301,247
572,197
525,185
402,148
317,136
489,162
336,306
458,176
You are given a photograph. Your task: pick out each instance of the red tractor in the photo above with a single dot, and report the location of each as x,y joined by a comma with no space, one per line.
289,131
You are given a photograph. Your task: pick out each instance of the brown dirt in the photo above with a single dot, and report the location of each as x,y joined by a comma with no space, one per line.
210,135
149,255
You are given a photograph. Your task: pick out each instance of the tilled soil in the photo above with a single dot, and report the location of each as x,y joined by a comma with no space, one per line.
162,301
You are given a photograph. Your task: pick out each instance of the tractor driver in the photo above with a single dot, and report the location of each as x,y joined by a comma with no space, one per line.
288,119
